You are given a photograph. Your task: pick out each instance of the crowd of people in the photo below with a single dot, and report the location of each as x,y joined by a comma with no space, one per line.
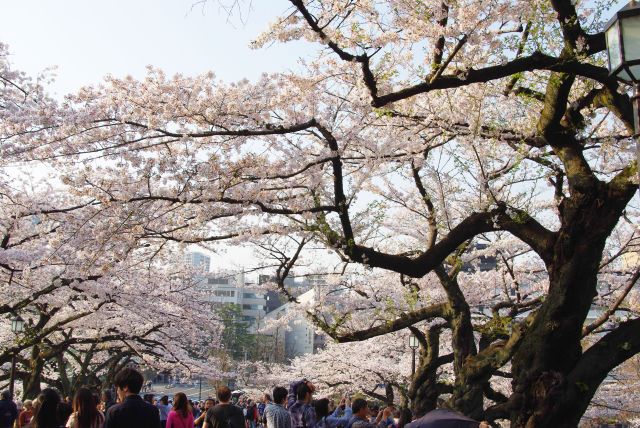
284,408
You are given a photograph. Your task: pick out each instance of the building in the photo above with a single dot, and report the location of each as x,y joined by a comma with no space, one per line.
199,262
232,288
227,287
292,338
294,286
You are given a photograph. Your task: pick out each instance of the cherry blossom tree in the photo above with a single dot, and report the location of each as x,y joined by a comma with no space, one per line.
423,134
92,297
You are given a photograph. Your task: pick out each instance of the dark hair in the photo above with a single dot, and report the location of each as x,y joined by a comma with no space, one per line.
223,393
64,411
181,404
45,414
210,399
358,404
279,394
267,397
302,390
322,407
6,395
130,378
84,405
148,398
165,400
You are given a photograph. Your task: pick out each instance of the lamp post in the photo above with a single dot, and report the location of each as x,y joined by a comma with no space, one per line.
17,326
413,344
622,33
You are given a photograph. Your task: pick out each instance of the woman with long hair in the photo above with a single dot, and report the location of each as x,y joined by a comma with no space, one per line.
45,410
85,411
180,416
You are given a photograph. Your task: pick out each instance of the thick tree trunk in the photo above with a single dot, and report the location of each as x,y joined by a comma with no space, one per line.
552,346
31,383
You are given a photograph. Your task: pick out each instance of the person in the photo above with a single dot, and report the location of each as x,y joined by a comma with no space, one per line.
45,413
106,400
361,412
275,413
199,421
195,409
27,413
8,410
266,399
250,415
302,413
333,420
164,408
225,414
180,415
85,411
132,410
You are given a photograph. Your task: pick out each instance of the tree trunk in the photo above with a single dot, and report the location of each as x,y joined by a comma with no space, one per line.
31,384
552,347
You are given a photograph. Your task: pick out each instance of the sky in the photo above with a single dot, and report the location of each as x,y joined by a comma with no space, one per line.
88,39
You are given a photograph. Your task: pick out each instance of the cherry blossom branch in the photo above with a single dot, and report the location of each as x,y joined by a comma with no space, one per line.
403,321
515,221
604,316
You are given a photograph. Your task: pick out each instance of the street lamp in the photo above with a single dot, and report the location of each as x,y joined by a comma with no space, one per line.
17,326
622,33
413,344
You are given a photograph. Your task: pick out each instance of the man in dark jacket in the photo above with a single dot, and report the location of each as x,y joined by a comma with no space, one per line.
8,410
132,411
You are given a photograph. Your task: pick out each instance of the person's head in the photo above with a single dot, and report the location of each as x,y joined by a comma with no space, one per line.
45,413
5,395
373,409
209,403
84,405
128,381
304,392
181,404
224,394
266,398
165,400
322,408
148,398
279,395
360,407
106,396
28,405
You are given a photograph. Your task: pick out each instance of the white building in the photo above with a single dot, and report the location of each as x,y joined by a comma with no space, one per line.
227,288
295,338
199,262
231,288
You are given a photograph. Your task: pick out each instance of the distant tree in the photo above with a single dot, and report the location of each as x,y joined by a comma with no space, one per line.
236,339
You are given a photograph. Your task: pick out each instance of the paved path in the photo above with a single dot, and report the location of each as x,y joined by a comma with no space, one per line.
191,390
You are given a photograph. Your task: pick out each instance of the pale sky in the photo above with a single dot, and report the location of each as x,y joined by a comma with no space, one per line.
87,39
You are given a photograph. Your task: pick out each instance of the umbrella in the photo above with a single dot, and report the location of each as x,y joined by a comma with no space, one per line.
443,418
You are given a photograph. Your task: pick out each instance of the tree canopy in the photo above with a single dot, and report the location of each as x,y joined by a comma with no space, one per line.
423,135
